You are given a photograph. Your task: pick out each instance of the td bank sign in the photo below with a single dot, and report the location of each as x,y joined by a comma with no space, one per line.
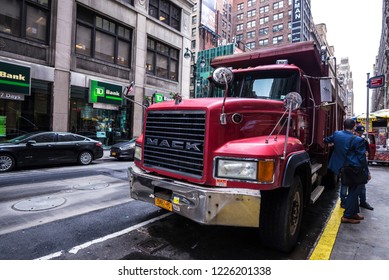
100,92
14,79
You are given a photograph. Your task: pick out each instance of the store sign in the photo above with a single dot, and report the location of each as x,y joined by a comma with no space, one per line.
14,79
100,92
376,82
297,21
12,96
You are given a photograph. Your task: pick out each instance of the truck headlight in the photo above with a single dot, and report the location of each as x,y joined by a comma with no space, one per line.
260,171
138,152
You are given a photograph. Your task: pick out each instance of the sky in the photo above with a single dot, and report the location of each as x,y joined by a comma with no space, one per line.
354,29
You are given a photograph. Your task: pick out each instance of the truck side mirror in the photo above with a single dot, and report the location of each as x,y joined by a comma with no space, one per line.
222,76
293,101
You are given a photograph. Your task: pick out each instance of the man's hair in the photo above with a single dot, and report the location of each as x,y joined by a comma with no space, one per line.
349,124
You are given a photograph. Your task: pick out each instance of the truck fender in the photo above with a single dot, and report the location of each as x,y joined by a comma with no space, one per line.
294,162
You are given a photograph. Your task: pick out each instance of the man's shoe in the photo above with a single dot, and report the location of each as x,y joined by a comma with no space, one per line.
366,206
357,217
349,221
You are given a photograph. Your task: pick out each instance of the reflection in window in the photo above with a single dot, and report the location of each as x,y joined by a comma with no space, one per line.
166,12
105,47
34,23
162,60
102,38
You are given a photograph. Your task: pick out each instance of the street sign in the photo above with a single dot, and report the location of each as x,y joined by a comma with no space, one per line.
376,82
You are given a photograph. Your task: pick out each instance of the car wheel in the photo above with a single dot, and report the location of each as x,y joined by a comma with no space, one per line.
7,162
85,158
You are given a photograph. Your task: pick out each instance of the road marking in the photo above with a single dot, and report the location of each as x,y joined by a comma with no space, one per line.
324,246
75,249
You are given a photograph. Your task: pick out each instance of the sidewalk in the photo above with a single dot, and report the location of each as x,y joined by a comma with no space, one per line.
368,240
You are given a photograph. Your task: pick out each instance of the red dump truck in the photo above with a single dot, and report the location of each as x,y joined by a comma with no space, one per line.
251,154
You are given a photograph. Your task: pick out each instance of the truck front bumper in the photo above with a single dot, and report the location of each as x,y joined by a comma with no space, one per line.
213,206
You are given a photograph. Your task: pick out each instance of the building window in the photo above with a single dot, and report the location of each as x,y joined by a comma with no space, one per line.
263,20
264,9
102,38
26,19
250,34
278,16
251,13
278,5
251,3
194,31
162,60
263,42
240,6
277,39
239,37
239,16
239,27
194,19
250,45
166,12
278,27
264,31
251,24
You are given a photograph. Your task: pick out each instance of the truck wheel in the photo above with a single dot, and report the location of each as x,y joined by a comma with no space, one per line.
281,215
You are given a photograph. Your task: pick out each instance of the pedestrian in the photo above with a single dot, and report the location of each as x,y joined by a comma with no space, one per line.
348,149
359,130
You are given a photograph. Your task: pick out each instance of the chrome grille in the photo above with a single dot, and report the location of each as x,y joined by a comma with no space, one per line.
174,141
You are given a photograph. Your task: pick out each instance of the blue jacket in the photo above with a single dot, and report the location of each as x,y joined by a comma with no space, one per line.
339,158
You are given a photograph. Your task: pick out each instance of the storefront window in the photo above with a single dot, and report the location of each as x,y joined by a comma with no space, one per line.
105,125
34,113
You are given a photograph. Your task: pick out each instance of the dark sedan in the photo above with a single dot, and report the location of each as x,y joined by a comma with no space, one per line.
44,148
124,150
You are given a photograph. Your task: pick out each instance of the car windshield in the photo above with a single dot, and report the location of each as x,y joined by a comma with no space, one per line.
264,84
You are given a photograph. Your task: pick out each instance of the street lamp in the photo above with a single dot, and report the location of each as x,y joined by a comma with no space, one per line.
189,54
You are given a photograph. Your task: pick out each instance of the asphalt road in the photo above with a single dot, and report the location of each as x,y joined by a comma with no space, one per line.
84,212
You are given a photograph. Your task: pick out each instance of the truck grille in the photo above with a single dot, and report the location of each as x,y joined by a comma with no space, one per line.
174,141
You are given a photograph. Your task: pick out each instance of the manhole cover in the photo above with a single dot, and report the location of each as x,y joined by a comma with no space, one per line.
152,245
91,186
39,203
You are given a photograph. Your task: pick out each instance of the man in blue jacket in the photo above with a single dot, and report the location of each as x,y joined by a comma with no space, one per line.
345,141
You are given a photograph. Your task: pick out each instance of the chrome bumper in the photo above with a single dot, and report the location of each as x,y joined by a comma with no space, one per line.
213,206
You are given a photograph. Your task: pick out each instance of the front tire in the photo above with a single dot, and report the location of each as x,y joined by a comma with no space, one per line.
281,215
7,163
85,158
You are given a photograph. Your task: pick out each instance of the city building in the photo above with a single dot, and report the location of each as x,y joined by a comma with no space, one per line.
379,96
68,65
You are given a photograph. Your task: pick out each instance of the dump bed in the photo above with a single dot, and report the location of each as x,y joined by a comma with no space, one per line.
305,55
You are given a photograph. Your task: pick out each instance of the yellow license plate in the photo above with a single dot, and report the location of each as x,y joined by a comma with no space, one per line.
163,204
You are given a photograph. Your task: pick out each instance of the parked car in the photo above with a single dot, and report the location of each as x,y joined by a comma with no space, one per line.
123,150
44,148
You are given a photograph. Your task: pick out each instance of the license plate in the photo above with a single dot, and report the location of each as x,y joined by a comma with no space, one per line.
163,204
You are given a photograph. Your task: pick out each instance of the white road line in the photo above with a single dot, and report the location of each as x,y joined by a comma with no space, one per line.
75,249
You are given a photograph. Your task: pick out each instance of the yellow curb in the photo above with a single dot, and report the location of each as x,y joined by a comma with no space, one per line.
326,242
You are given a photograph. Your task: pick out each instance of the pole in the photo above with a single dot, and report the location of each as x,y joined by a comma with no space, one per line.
367,104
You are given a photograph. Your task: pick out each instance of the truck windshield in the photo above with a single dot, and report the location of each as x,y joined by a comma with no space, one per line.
264,84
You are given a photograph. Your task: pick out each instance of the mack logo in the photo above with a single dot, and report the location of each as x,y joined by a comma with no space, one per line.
174,144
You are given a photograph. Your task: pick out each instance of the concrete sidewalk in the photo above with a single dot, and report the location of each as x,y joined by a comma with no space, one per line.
368,240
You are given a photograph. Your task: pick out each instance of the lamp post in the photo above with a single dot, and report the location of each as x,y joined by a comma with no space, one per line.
189,54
